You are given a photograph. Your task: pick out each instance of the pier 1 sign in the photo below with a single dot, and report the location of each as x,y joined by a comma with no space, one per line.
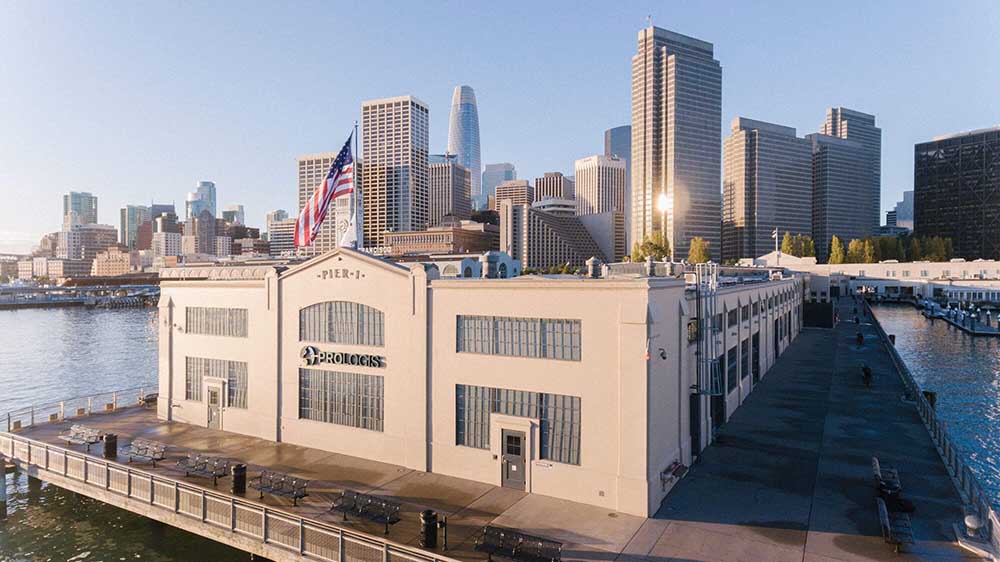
311,355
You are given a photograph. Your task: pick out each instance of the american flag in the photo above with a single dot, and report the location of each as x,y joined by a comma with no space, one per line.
339,181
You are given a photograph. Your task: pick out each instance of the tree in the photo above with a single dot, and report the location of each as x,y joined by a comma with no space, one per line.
869,252
787,245
656,246
915,252
855,251
808,247
699,252
900,250
836,251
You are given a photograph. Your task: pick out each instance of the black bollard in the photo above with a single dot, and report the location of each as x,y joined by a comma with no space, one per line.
110,446
931,397
239,478
428,529
892,338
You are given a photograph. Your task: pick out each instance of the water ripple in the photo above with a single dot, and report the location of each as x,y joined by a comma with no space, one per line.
965,373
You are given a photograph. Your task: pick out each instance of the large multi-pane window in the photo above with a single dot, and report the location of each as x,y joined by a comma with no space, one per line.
546,338
745,358
733,318
755,356
212,321
196,369
349,323
349,399
732,369
558,416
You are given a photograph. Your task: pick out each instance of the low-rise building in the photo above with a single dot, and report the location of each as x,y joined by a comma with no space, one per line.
586,389
113,261
451,237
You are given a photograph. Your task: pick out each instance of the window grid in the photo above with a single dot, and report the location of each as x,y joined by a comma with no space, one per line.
349,399
343,322
234,373
544,338
558,415
211,321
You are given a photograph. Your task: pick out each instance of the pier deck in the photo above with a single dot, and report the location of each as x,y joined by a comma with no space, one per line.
789,479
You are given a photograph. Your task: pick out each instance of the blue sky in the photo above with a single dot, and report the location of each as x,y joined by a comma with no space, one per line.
137,101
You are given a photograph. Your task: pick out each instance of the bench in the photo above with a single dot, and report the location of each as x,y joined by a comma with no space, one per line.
896,528
516,545
280,484
209,467
375,508
82,435
145,449
886,478
149,400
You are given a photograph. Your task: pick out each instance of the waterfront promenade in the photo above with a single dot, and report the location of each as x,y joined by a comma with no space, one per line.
789,479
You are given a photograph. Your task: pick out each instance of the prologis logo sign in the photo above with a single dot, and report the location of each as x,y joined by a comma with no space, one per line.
312,356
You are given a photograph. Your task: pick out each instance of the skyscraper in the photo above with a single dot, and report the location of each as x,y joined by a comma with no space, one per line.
767,184
554,185
618,142
520,192
600,185
234,214
494,175
394,145
857,126
676,135
463,134
841,190
312,170
132,216
202,198
904,211
83,203
449,186
956,179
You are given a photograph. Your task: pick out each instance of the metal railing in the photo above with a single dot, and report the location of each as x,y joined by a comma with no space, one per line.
964,478
306,537
76,407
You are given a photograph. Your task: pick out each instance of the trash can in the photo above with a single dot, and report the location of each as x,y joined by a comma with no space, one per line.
428,528
110,446
238,472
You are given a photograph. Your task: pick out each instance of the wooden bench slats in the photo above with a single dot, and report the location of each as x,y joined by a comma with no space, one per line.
896,527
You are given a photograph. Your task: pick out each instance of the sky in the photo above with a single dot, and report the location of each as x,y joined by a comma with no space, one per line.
138,101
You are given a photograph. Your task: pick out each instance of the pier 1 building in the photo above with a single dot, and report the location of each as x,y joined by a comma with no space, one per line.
599,389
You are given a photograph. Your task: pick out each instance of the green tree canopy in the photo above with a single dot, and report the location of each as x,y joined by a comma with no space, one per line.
656,246
836,251
699,251
787,244
855,251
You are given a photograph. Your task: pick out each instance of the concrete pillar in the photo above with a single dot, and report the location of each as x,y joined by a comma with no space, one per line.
650,267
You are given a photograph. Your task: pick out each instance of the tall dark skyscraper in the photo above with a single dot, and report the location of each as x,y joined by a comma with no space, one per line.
956,184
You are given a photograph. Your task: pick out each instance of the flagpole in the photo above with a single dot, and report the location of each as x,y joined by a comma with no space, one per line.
359,232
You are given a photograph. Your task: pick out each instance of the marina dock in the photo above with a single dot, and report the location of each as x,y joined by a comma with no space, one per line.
789,478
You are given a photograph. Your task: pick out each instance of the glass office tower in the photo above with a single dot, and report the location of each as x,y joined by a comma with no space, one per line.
463,134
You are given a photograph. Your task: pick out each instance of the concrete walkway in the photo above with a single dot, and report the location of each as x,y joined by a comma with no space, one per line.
790,476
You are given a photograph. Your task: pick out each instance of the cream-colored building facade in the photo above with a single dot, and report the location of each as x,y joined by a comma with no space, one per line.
567,386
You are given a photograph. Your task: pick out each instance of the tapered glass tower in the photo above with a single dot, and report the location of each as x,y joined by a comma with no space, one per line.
463,134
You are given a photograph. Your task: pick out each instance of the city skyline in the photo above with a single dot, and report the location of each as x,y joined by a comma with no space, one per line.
248,144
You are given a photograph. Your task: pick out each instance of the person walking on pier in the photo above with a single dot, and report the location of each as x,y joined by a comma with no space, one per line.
860,339
866,375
